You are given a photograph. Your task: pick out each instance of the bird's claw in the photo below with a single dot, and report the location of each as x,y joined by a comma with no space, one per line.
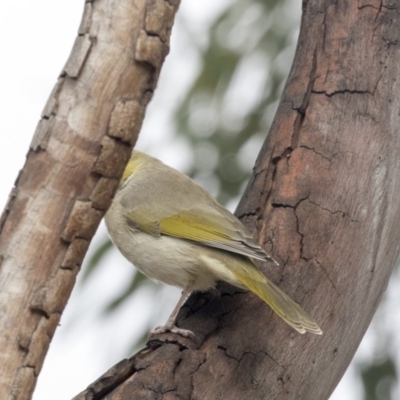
173,329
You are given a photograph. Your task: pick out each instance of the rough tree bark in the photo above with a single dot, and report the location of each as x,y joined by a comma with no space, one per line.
324,200
74,163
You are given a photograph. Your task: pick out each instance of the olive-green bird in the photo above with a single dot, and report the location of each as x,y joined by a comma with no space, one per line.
175,232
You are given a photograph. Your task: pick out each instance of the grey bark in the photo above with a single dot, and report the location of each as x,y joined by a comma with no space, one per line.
77,155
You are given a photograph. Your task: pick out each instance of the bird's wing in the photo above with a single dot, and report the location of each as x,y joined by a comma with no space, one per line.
211,226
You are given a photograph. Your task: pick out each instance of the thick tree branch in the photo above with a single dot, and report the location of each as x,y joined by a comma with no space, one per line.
74,163
324,200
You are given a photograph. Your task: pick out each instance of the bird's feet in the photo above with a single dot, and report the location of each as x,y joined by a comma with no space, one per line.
173,329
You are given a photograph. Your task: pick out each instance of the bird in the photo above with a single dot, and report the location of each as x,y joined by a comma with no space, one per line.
174,232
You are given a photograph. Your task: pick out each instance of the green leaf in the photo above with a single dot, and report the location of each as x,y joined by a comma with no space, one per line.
138,280
94,260
378,380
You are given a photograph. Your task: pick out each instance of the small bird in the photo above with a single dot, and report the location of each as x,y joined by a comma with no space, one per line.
175,232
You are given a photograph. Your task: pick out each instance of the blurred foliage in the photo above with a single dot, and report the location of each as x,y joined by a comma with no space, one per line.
227,111
138,280
95,258
226,114
378,379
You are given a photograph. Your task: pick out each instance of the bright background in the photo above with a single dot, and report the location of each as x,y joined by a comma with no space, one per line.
35,39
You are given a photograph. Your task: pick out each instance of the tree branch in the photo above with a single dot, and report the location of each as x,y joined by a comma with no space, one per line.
77,155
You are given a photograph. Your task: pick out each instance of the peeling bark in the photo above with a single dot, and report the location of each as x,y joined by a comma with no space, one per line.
77,155
324,201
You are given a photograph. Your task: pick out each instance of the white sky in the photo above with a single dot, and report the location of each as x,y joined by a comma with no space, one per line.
36,38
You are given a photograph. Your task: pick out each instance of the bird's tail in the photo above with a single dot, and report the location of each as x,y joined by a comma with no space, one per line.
280,302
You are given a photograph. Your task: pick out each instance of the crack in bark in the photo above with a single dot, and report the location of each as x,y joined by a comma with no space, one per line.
191,374
257,173
300,234
239,360
325,273
249,213
330,159
298,123
156,343
349,91
200,364
342,91
302,257
225,351
294,207
280,376
304,105
343,213
33,368
162,392
318,153
379,10
270,241
370,6
40,311
324,33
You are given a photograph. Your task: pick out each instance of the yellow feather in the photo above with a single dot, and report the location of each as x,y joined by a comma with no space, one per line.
133,165
281,303
187,227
